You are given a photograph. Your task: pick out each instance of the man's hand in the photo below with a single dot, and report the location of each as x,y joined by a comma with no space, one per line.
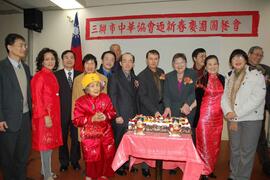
48,121
157,114
119,120
3,126
167,112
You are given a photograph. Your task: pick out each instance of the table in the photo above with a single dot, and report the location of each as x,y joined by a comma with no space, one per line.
173,151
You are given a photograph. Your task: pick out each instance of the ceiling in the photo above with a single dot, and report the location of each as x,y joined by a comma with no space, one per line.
17,6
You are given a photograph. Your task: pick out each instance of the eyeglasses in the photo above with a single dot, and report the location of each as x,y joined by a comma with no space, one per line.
258,54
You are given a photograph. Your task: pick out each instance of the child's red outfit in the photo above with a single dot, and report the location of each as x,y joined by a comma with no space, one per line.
96,137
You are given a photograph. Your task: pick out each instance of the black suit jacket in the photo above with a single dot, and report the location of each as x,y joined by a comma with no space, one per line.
150,101
267,76
175,99
101,71
65,93
123,95
11,98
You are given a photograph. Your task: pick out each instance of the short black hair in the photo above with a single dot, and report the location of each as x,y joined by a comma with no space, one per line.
108,52
127,53
40,58
11,38
179,55
211,57
238,52
153,51
89,57
68,51
196,52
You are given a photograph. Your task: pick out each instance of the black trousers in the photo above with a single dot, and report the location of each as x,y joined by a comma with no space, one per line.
262,147
15,149
119,130
74,155
193,135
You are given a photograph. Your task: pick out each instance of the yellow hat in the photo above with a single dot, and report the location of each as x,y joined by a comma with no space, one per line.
89,78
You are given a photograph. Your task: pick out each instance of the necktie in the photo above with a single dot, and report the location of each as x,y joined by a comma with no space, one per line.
69,79
129,77
19,66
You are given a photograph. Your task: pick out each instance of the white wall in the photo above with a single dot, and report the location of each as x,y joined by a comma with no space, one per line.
8,24
57,31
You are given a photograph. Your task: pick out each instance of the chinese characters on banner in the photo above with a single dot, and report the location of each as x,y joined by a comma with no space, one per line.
227,24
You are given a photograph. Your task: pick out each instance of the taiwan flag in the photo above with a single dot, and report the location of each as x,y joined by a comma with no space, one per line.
76,45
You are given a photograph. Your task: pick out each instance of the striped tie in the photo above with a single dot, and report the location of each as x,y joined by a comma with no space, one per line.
69,79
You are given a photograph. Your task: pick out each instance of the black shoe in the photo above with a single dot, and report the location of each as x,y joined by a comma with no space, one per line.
121,172
124,167
76,166
28,178
133,169
63,168
146,173
266,168
172,172
204,177
212,175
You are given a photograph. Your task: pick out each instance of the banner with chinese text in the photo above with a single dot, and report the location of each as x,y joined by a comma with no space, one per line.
226,24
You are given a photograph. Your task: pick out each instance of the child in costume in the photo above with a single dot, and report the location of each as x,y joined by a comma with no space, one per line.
93,113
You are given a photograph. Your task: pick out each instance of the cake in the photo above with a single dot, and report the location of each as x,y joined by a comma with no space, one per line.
160,124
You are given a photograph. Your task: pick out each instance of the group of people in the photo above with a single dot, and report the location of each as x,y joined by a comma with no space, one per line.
94,107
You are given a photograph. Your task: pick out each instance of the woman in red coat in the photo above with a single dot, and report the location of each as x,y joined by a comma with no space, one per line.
208,132
46,124
94,112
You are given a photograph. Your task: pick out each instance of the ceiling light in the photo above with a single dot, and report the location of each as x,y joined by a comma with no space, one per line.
68,4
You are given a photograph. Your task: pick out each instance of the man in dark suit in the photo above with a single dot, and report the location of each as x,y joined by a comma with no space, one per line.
107,62
65,80
116,48
198,57
122,91
15,110
151,82
255,56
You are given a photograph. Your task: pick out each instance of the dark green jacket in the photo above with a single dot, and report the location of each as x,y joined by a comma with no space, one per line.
175,99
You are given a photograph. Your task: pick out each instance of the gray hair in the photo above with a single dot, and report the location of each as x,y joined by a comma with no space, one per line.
111,47
253,48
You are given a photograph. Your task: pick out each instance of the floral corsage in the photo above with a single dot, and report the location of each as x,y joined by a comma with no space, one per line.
162,76
187,80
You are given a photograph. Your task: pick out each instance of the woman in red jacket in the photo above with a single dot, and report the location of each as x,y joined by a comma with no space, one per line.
46,124
94,112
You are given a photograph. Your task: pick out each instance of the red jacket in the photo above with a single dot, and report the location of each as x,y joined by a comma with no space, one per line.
45,101
96,137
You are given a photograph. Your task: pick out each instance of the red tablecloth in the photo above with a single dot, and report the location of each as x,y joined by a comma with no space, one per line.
174,151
